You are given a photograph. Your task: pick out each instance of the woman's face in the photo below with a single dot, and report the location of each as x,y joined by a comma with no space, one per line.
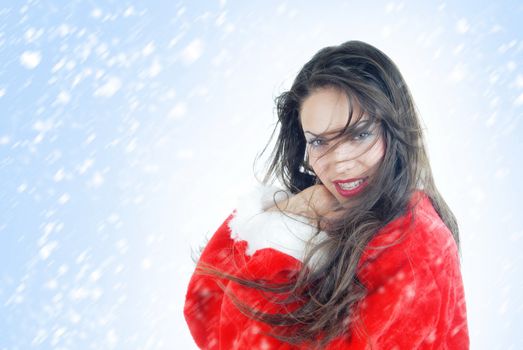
345,169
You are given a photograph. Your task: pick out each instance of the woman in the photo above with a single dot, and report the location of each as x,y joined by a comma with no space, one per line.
359,250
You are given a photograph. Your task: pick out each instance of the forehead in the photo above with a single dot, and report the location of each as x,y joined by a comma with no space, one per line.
326,111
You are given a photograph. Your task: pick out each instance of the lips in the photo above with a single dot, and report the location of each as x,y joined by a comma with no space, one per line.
352,191
349,180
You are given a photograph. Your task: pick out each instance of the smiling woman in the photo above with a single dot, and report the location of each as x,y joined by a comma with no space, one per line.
358,250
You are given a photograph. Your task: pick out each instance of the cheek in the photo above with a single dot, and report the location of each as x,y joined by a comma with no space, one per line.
318,164
376,153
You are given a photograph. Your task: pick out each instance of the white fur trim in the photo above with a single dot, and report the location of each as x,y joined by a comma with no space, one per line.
272,229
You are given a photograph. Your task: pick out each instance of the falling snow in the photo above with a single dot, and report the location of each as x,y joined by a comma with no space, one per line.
122,123
30,59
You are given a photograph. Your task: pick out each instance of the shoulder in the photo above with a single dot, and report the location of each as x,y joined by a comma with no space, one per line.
431,238
411,270
418,239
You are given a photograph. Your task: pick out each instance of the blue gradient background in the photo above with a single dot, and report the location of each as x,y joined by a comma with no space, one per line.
127,129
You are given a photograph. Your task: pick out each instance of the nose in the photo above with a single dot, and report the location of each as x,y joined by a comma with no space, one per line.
343,159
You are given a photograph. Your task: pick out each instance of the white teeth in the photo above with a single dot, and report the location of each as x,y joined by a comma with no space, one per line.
350,185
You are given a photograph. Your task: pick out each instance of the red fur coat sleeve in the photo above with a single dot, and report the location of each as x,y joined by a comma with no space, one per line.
415,292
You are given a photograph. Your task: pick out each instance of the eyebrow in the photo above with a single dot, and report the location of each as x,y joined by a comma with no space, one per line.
338,130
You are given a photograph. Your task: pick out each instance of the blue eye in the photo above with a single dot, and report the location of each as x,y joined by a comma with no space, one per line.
362,135
316,145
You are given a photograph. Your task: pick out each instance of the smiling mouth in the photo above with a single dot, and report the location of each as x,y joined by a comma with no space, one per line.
351,188
351,185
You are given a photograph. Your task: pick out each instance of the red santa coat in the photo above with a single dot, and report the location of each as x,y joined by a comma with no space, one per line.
415,294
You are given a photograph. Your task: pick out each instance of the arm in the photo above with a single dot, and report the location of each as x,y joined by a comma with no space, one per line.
204,294
245,245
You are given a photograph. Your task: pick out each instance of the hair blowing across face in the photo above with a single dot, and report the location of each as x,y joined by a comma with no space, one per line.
329,292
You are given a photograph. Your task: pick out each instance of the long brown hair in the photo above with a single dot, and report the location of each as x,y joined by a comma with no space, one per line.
328,294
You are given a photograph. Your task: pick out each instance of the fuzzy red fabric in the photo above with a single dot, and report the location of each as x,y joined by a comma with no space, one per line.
415,294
